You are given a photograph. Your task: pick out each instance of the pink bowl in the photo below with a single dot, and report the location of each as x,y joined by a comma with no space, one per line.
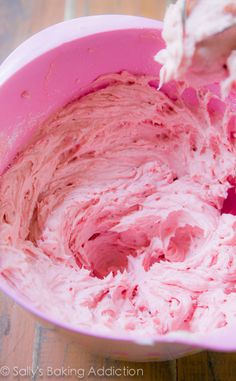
49,70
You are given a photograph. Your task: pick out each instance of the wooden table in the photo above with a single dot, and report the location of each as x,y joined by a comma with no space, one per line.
25,342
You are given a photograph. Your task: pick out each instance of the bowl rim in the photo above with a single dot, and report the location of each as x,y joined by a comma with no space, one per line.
67,31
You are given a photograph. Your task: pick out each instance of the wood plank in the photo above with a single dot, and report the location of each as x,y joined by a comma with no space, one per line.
147,8
16,334
81,7
45,13
61,351
20,19
129,7
97,7
153,8
222,365
207,366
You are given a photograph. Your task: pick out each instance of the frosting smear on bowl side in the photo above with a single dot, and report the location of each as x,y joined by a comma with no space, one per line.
111,218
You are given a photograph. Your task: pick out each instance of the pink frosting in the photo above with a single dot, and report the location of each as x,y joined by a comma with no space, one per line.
204,49
111,216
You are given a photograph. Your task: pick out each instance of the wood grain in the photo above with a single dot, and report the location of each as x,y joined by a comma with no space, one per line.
150,8
23,341
20,19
